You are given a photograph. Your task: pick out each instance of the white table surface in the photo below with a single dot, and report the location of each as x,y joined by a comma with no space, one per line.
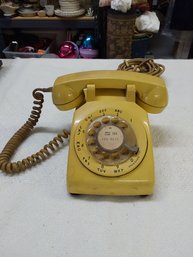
38,218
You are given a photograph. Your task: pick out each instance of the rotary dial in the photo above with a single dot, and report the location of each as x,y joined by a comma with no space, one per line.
111,140
110,144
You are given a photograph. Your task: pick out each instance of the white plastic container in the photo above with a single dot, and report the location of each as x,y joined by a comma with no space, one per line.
11,55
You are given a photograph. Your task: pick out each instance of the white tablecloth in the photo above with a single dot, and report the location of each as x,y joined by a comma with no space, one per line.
38,218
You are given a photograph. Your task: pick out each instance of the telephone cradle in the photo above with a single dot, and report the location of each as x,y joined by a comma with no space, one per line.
110,150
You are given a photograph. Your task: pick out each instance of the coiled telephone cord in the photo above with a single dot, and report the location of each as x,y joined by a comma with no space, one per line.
16,140
142,65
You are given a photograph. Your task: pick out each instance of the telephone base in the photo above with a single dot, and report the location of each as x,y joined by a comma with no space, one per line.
127,193
138,182
87,174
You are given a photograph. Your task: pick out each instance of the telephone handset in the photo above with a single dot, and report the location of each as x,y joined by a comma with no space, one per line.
151,91
110,149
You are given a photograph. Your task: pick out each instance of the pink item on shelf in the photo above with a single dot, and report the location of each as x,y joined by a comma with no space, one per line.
68,49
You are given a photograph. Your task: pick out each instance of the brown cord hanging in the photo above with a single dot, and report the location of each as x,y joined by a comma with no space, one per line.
16,140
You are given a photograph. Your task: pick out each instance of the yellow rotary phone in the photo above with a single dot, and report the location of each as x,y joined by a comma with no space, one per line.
110,149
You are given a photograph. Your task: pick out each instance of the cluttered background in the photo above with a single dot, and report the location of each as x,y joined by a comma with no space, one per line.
96,29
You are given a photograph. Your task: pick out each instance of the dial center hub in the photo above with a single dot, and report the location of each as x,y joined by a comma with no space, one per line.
110,138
